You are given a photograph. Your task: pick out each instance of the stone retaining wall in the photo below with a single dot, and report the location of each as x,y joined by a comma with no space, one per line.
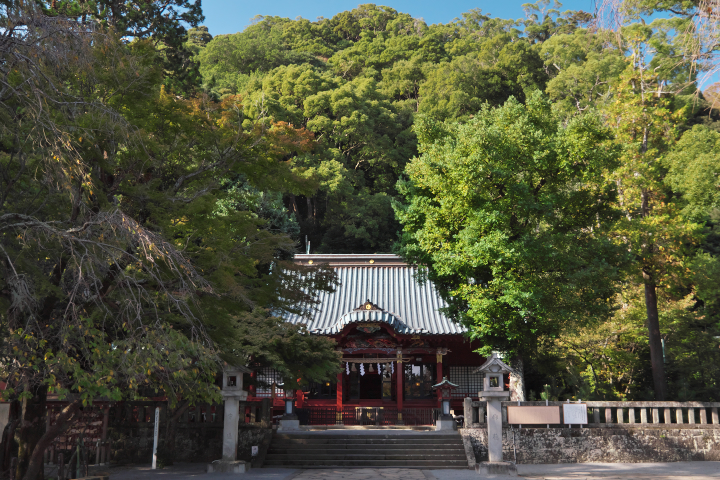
626,444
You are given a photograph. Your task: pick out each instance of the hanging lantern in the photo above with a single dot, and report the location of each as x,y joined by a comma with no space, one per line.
354,368
371,368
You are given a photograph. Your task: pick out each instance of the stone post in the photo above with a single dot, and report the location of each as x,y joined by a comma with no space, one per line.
494,427
468,416
230,429
494,394
233,394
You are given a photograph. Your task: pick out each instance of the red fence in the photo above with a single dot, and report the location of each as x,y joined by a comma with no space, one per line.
380,416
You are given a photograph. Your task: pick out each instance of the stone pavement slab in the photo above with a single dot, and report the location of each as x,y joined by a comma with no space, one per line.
195,471
574,471
361,474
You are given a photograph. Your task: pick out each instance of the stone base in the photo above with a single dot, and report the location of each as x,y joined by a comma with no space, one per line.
289,426
237,466
445,425
486,469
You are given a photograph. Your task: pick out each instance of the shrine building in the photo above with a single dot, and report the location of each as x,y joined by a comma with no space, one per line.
395,344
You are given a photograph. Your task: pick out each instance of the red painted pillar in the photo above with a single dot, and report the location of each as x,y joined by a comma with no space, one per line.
439,378
339,399
399,376
252,388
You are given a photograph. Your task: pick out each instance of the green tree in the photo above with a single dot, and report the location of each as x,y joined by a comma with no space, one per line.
644,123
693,170
507,211
124,273
582,67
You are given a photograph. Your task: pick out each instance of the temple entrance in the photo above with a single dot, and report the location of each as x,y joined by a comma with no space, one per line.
376,384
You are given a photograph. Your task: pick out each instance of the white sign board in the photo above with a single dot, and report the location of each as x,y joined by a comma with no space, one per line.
254,451
575,413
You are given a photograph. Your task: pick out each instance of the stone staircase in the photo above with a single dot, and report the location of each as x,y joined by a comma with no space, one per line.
369,450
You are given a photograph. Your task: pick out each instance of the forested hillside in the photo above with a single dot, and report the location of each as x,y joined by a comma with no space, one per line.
556,176
359,80
365,84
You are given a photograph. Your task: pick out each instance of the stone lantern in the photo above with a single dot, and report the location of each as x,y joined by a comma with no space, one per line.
289,421
494,393
233,393
446,421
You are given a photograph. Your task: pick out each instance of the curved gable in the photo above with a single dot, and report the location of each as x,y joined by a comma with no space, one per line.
384,280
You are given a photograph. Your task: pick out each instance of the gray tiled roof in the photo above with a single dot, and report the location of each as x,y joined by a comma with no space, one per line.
411,308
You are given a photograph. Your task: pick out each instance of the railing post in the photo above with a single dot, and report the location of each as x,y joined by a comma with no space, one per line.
643,415
703,416
608,415
620,415
631,415
467,411
668,416
253,413
691,415
656,415
679,415
715,418
241,412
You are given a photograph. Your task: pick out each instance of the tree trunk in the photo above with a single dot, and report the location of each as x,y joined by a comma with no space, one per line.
35,464
654,339
310,209
653,318
517,381
294,207
30,429
171,429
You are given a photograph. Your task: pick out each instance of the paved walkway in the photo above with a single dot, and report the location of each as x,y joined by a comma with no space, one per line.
575,471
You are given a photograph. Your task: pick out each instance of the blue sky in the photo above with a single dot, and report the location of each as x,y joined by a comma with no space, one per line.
231,16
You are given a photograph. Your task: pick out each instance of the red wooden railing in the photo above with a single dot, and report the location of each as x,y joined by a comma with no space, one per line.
379,416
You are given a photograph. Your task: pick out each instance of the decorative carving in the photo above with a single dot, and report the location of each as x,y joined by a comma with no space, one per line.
368,306
381,350
369,343
368,327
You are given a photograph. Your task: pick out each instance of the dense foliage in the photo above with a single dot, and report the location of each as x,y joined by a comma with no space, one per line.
378,88
373,83
557,180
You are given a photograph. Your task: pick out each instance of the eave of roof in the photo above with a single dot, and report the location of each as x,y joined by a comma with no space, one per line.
409,307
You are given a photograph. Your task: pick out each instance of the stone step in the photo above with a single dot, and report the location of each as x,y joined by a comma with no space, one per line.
303,450
369,457
364,441
427,464
414,436
363,447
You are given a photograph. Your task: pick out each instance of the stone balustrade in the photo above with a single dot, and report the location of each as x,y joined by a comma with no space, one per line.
683,415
